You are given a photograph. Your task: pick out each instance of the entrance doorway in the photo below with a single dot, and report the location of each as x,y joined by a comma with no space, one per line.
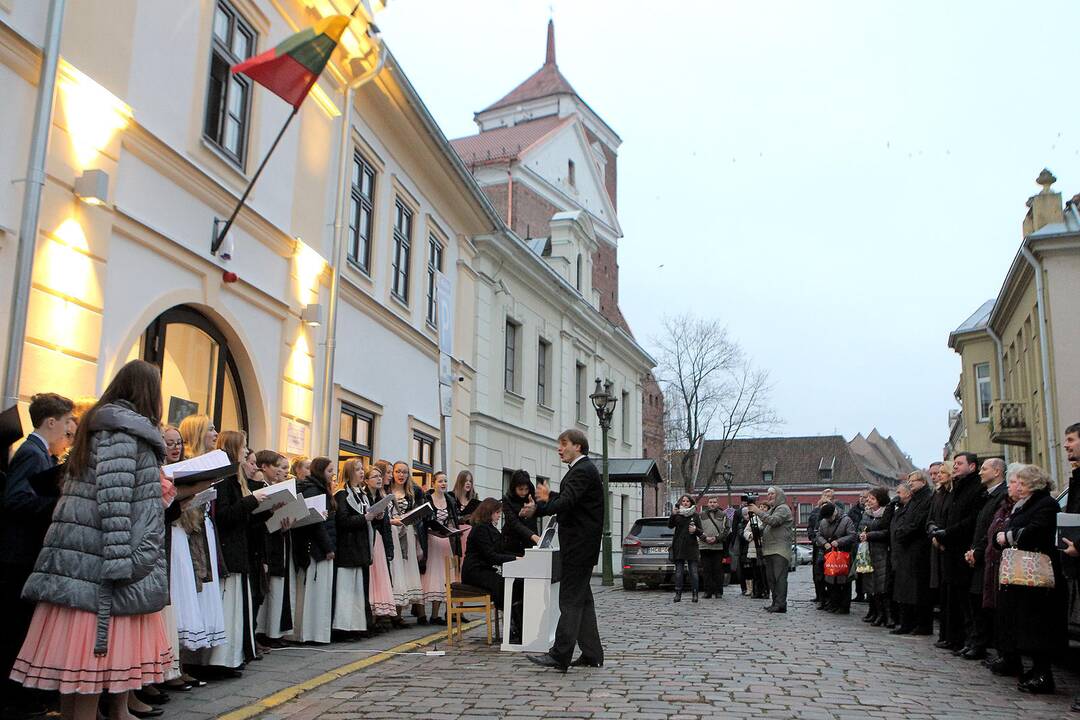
198,372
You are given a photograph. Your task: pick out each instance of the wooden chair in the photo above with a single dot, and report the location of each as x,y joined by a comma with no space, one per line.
462,598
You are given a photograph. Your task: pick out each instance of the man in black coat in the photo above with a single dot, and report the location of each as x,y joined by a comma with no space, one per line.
911,559
579,505
992,475
968,497
811,532
26,517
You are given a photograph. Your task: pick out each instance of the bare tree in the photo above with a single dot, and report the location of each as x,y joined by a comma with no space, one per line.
712,389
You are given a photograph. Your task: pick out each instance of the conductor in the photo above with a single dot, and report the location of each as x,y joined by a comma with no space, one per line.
580,508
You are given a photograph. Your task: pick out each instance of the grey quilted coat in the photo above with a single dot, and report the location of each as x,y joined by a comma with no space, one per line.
105,550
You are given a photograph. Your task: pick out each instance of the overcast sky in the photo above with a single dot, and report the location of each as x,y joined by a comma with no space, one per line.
841,183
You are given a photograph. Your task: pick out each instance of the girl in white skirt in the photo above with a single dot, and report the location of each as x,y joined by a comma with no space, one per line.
275,616
313,552
353,553
407,543
439,548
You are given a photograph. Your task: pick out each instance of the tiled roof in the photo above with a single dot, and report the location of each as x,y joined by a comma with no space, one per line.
502,144
542,83
795,461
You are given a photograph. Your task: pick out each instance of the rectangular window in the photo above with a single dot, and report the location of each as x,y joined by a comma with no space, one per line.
423,459
506,475
228,96
825,474
434,265
510,377
356,434
766,476
571,174
402,243
361,209
543,356
579,392
804,513
983,391
625,416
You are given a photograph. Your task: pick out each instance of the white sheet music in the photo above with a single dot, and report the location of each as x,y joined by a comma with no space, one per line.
294,511
210,461
271,496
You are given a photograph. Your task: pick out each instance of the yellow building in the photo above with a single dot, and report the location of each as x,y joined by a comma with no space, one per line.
1033,339
969,428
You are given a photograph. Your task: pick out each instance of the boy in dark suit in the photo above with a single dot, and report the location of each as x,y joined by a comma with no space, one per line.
579,505
26,517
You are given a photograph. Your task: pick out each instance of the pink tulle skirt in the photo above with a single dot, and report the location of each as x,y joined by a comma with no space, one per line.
58,652
433,581
380,592
465,530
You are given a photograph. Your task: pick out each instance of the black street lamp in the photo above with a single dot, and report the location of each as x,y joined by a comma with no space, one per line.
603,401
728,475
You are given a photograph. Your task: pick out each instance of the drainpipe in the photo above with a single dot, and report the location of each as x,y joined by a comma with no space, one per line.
339,242
1044,350
31,207
1001,372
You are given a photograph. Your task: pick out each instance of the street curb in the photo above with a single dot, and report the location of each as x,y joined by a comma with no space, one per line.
293,691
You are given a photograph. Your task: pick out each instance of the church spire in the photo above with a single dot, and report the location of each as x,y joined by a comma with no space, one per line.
550,59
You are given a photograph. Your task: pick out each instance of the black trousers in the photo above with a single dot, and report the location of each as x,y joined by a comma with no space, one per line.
712,570
838,594
982,635
16,614
955,613
577,618
486,579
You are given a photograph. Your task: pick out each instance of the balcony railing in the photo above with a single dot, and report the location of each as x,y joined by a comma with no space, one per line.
1008,423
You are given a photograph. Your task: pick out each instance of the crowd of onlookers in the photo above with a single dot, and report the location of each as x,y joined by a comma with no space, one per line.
974,544
119,586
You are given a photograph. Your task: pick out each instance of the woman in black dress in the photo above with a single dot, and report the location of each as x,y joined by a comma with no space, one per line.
483,554
684,546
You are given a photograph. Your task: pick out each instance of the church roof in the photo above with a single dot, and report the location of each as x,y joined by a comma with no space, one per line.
505,143
544,82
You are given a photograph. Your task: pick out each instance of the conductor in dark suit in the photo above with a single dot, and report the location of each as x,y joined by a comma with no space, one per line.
579,505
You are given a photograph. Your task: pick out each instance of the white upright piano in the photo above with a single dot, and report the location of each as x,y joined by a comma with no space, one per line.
540,571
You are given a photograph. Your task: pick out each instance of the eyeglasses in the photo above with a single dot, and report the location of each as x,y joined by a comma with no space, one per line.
174,443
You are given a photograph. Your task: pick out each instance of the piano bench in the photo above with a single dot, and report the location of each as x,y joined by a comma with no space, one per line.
463,591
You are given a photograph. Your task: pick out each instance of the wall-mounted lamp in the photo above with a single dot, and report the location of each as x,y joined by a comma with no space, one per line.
92,187
312,315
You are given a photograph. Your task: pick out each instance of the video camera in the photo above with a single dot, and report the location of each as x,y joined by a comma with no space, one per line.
750,498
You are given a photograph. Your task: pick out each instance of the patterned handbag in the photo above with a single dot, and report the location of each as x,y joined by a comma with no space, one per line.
1025,568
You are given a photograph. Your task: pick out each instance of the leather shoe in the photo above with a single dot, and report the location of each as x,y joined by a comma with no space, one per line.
900,631
1075,707
960,651
586,662
943,644
1042,684
151,713
973,654
545,660
776,610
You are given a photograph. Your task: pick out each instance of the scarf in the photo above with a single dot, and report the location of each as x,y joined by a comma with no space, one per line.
685,512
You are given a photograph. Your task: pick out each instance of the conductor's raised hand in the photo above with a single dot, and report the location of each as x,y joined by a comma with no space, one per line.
543,492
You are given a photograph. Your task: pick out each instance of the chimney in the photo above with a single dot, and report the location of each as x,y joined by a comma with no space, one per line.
1045,207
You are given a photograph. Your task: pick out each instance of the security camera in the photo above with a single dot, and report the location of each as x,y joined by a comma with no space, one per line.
225,252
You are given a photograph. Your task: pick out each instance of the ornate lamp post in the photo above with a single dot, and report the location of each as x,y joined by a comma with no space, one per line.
603,401
728,475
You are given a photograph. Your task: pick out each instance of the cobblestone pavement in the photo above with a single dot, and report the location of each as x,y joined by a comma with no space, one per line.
719,658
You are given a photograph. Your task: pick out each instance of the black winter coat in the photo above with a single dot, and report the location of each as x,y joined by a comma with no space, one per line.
27,514
381,527
1033,620
517,531
911,549
978,541
353,535
258,539
313,541
453,520
939,505
232,517
968,497
684,545
482,552
580,507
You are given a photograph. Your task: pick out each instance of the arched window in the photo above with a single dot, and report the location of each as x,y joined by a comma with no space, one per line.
198,372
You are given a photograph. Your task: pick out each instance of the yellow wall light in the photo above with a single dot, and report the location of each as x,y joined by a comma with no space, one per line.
93,114
309,268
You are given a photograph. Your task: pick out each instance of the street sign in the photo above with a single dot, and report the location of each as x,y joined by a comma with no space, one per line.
444,296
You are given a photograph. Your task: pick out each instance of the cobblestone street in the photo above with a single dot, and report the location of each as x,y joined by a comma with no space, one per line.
719,658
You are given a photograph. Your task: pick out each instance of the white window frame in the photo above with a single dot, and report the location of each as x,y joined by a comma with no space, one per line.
983,384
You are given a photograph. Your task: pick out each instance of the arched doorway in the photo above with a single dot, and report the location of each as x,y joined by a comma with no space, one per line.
198,372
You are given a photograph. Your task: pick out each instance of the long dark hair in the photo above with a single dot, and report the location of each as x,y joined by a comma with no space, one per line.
138,383
318,475
518,478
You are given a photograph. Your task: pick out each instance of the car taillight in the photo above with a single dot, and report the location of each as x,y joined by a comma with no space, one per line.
631,541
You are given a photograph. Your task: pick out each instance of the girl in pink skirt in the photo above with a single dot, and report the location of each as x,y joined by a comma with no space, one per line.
380,589
104,555
433,582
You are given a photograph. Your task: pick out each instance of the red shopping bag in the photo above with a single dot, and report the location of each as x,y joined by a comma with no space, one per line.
837,563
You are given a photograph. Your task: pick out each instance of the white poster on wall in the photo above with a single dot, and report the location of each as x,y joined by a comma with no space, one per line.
444,296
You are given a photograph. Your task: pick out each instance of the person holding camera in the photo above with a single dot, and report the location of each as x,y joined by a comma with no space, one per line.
715,528
684,546
777,537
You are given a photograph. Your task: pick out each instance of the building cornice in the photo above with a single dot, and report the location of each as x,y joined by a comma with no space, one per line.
19,54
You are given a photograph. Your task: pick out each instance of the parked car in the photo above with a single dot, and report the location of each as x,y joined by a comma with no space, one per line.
646,554
804,553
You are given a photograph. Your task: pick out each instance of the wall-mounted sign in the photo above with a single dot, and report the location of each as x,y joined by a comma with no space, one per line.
295,438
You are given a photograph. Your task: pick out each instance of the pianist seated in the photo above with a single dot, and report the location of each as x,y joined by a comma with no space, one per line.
483,553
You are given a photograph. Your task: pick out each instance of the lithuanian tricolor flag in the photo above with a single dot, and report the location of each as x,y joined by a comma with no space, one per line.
292,67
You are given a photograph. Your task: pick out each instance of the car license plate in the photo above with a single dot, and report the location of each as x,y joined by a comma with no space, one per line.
658,550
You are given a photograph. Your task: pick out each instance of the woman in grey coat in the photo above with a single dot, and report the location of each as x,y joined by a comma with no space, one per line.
100,580
836,532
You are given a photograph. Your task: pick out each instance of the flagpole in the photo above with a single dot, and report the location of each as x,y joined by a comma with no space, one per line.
220,237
